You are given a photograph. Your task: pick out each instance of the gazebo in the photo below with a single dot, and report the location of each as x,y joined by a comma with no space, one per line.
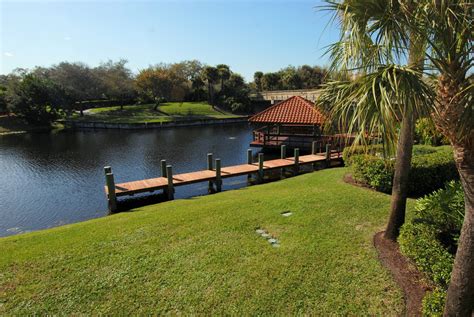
295,122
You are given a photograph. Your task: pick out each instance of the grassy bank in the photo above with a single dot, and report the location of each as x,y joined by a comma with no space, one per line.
171,111
14,125
202,255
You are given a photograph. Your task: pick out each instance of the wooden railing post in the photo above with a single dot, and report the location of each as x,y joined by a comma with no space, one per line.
328,155
210,167
218,175
260,167
313,147
169,175
297,161
112,198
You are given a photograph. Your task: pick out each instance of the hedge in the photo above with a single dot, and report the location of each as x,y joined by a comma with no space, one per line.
431,168
430,240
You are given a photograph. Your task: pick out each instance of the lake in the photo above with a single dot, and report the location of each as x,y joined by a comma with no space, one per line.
51,179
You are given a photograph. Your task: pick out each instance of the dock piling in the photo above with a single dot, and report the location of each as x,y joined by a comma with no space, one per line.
163,174
218,175
328,154
249,161
282,156
112,198
314,150
297,161
107,170
260,167
210,167
169,175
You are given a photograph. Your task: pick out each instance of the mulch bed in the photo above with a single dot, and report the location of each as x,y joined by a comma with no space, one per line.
404,273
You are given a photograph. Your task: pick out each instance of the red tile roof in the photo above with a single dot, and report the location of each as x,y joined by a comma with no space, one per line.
294,110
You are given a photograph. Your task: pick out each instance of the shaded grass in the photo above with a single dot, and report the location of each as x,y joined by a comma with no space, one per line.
202,255
171,111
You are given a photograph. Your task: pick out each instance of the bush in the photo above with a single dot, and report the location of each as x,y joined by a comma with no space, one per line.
426,133
433,303
430,240
431,168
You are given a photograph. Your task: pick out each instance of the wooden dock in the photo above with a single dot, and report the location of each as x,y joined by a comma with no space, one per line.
214,174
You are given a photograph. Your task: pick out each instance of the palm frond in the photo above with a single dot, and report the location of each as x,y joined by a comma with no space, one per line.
372,105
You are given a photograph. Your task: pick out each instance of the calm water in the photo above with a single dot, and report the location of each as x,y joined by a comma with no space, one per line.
52,179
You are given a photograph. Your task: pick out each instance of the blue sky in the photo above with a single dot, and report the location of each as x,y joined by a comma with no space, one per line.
247,35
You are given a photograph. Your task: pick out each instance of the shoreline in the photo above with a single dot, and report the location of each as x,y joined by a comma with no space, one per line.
72,124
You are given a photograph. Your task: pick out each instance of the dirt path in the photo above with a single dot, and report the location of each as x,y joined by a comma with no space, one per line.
407,277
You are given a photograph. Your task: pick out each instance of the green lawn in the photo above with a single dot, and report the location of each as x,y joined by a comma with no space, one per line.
171,111
202,256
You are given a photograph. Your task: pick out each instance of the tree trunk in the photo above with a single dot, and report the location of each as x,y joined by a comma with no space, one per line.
460,298
400,178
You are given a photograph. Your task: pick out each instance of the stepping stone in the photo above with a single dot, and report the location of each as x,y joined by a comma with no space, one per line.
276,245
266,235
286,214
273,241
260,231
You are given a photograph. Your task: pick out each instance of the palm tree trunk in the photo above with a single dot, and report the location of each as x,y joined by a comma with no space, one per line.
460,298
400,179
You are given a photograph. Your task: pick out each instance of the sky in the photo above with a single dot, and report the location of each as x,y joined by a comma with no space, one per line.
249,36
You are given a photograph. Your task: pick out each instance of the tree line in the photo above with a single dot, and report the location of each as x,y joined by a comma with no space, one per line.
43,94
291,77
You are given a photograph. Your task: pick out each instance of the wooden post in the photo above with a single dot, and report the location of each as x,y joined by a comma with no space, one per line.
107,170
282,156
169,175
249,161
163,174
328,155
218,175
163,168
297,161
210,167
283,152
249,156
260,167
314,150
112,198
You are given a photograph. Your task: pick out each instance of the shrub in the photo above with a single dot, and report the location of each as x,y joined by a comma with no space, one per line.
431,168
430,240
433,303
426,133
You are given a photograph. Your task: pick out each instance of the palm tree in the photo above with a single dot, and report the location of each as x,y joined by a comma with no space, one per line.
373,41
374,35
210,75
224,73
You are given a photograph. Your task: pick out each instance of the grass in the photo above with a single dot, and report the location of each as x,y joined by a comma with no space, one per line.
202,256
171,111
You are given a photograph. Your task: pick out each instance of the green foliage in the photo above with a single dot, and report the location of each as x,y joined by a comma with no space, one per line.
431,168
302,77
433,303
430,240
38,101
418,241
426,133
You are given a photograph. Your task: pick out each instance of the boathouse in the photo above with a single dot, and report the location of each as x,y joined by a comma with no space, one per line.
295,122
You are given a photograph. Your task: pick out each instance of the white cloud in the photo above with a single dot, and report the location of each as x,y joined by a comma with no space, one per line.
67,38
8,54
